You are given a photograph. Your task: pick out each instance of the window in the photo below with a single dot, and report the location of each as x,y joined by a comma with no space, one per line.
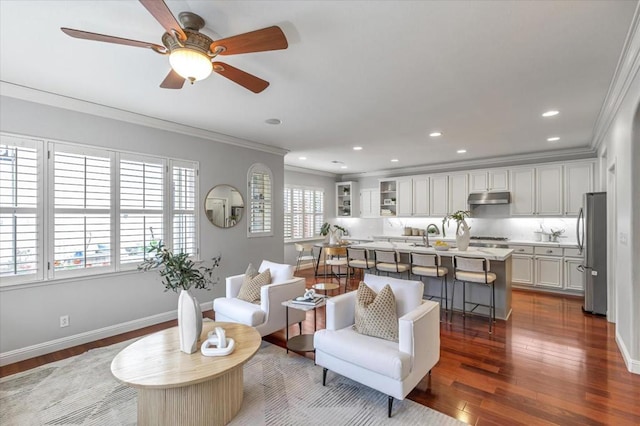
20,205
105,209
183,180
141,206
303,212
260,201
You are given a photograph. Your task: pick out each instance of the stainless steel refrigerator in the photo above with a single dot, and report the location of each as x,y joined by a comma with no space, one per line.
592,241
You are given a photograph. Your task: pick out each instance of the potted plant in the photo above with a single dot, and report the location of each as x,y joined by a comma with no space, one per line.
335,232
463,235
179,272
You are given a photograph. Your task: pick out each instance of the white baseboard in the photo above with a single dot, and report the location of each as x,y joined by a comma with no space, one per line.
633,365
89,336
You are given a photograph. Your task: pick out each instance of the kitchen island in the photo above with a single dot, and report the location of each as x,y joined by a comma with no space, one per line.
499,261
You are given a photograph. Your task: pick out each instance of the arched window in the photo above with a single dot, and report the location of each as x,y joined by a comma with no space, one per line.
260,193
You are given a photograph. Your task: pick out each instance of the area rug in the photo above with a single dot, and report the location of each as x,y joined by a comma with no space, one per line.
280,389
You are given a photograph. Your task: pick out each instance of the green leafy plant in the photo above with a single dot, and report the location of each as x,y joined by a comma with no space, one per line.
327,228
178,271
458,217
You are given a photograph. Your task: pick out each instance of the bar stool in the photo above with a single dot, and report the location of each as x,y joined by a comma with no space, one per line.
474,271
335,256
358,259
389,261
305,254
429,265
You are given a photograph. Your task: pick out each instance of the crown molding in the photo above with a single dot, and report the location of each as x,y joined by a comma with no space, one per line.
510,160
289,168
30,94
625,73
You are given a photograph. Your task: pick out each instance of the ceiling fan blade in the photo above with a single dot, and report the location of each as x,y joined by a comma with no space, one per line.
244,79
163,15
111,39
173,80
271,38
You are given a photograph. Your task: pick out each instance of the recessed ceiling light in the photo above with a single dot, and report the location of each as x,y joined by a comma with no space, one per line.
550,113
357,148
435,134
553,139
394,160
343,167
461,151
302,158
274,121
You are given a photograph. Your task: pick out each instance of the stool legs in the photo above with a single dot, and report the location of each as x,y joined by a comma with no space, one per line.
491,305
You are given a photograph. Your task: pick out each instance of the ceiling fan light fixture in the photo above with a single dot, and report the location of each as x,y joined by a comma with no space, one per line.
191,64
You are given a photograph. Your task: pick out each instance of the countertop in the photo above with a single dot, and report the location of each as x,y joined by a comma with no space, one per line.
482,252
432,238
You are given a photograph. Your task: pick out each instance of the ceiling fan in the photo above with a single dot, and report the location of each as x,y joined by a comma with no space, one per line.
191,53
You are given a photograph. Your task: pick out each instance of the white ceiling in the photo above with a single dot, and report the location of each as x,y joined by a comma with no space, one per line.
378,74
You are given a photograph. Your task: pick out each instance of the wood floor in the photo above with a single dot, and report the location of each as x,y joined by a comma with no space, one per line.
549,364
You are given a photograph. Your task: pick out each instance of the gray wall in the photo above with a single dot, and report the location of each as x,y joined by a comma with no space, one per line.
29,314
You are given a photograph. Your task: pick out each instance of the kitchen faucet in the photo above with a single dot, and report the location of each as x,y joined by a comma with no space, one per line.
425,238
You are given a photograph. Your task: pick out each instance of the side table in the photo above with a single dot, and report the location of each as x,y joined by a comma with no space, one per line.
302,342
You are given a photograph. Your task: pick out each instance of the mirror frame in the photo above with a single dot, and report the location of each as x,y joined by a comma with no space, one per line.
230,207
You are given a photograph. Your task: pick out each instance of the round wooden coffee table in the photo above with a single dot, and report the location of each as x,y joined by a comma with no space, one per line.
178,388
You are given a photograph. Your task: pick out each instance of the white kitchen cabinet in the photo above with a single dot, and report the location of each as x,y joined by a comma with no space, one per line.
388,196
346,201
548,271
573,279
369,202
489,180
439,195
405,197
523,191
549,190
578,179
522,269
421,191
458,192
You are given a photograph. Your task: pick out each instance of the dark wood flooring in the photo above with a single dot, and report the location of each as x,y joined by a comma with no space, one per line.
549,364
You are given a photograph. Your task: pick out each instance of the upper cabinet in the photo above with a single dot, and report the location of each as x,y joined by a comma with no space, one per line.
439,195
405,197
488,180
388,197
549,190
578,179
369,202
347,199
523,191
421,191
458,192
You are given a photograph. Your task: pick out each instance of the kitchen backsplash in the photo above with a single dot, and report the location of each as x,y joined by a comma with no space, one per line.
517,229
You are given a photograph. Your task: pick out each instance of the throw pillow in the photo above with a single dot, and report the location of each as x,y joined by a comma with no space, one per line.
251,271
376,313
250,290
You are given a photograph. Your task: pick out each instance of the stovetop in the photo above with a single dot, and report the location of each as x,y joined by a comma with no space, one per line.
490,238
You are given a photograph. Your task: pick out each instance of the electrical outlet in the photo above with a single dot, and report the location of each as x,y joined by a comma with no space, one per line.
64,321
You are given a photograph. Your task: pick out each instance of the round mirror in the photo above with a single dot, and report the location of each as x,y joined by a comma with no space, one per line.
224,206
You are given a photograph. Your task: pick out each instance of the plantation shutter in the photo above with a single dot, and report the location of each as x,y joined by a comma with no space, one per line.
184,213
288,214
304,212
82,208
20,201
318,210
260,195
141,206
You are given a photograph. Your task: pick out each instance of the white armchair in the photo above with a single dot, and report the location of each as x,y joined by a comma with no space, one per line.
393,368
269,315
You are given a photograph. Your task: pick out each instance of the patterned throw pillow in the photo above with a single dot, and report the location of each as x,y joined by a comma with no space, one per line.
376,313
250,290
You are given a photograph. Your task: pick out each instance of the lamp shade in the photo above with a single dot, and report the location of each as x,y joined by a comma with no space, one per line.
190,64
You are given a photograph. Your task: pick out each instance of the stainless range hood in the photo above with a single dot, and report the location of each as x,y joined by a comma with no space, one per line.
483,198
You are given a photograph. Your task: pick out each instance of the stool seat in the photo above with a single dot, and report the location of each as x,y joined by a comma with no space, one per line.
364,264
392,267
430,271
476,277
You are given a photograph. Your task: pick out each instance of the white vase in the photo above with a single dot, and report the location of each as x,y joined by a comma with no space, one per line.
463,236
189,322
333,237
